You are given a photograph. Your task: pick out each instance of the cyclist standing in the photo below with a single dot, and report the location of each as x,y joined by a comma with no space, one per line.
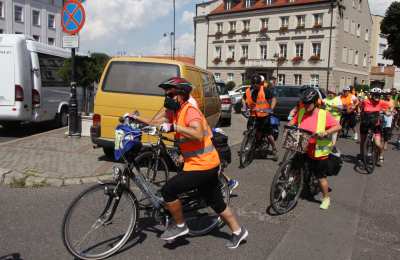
201,162
370,119
261,101
388,118
333,104
322,124
350,104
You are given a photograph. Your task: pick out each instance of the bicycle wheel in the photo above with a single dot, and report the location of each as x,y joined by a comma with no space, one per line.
247,149
369,155
99,221
147,165
286,187
199,217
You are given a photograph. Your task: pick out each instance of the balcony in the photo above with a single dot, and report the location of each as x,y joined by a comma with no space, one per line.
260,63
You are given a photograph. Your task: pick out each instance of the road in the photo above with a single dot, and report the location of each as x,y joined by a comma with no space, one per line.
362,223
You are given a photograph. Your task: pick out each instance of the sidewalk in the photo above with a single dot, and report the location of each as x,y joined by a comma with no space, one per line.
52,159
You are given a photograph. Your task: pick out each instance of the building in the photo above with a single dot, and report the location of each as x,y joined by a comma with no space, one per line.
40,19
378,43
286,38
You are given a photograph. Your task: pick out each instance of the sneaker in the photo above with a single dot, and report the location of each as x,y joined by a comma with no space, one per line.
173,231
233,184
380,161
326,202
355,137
237,239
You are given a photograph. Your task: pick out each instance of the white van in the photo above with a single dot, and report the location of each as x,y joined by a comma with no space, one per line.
30,88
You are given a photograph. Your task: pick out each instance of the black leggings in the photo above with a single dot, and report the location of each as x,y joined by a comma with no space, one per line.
206,181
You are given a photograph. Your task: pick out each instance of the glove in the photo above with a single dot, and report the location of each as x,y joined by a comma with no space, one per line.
166,127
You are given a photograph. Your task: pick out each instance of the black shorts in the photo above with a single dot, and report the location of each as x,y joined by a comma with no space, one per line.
370,121
387,134
319,168
206,182
263,124
350,119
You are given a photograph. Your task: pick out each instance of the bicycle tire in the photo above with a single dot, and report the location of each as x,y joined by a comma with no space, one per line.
246,154
151,176
194,222
369,149
283,170
122,238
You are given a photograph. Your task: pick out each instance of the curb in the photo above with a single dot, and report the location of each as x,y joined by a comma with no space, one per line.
31,136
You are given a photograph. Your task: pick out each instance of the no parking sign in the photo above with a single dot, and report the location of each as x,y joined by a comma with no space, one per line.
73,17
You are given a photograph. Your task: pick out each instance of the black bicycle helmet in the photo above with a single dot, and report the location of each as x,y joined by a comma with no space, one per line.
180,84
256,80
309,96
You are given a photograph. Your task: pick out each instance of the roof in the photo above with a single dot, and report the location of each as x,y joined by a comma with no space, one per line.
240,5
185,59
387,71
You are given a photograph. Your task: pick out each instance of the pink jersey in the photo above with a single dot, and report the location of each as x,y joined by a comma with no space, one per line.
369,106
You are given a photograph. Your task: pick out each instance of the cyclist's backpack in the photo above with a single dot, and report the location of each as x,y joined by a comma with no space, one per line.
220,142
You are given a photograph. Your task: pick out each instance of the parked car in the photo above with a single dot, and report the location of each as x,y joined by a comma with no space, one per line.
236,97
226,104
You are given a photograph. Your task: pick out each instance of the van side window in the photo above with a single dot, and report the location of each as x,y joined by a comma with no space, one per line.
49,70
138,77
206,85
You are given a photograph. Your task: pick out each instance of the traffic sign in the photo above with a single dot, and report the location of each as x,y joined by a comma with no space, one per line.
73,17
71,41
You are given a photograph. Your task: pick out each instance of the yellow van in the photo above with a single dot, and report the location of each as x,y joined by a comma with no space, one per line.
130,84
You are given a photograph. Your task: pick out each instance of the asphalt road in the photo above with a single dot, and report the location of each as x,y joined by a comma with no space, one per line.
362,223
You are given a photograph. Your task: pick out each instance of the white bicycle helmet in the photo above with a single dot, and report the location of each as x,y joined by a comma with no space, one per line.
346,88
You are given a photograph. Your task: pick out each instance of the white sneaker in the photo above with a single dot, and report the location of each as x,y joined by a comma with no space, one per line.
355,136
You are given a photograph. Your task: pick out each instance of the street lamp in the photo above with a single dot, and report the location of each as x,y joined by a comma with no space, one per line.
173,48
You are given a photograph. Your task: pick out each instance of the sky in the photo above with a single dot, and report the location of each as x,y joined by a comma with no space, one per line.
142,27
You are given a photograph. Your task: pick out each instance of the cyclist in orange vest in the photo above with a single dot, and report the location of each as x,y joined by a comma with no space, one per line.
350,105
261,101
201,162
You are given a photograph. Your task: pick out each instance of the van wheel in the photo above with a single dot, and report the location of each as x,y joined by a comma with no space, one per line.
109,152
62,117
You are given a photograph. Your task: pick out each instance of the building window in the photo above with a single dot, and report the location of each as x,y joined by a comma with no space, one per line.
316,49
297,79
217,76
281,79
359,5
1,9
299,50
366,35
353,28
231,51
51,21
268,2
218,52
356,58
36,38
263,52
365,60
344,55
249,3
351,57
228,5
283,50
18,32
245,51
246,25
1,31
318,19
36,17
301,21
232,26
230,76
51,41
358,30
314,80
354,3
264,23
18,13
346,24
285,21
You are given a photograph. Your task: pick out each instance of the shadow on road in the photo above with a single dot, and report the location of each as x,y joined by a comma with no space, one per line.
25,130
13,256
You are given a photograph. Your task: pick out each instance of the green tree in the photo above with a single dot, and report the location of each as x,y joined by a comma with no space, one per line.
390,27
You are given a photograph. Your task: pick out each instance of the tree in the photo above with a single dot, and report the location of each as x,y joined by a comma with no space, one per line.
390,27
88,71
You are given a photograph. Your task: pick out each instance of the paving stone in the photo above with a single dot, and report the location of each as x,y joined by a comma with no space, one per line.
54,182
86,180
35,181
105,177
72,181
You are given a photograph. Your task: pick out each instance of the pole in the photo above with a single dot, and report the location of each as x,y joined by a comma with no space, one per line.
73,102
173,50
328,72
171,41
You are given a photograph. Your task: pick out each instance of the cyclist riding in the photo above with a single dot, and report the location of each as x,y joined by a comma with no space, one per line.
370,119
350,103
300,104
322,124
261,101
201,162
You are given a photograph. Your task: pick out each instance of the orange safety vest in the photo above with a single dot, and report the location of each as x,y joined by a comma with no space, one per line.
261,107
197,155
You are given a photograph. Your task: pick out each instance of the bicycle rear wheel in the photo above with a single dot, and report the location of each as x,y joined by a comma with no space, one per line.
286,187
247,149
99,221
369,155
199,217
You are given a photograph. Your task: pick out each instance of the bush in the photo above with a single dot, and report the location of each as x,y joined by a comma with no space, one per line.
230,85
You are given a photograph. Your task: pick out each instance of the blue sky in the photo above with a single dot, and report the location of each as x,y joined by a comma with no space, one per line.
136,27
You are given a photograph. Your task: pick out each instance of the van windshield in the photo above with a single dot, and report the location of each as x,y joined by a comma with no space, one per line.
138,77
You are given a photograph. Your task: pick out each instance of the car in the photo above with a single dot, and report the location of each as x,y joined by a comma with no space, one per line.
226,104
236,97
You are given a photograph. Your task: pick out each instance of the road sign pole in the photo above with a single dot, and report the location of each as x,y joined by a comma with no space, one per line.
73,102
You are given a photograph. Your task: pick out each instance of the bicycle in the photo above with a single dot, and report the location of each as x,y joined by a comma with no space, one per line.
293,175
118,206
369,152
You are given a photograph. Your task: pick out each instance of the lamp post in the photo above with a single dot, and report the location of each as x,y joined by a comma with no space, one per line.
173,48
171,34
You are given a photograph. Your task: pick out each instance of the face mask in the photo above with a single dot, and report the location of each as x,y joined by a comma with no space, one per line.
171,103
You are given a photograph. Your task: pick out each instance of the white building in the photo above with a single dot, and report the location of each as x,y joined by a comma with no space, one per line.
40,19
288,39
378,44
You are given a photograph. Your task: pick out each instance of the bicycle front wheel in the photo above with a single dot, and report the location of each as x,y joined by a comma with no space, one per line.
286,187
369,155
247,149
99,221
